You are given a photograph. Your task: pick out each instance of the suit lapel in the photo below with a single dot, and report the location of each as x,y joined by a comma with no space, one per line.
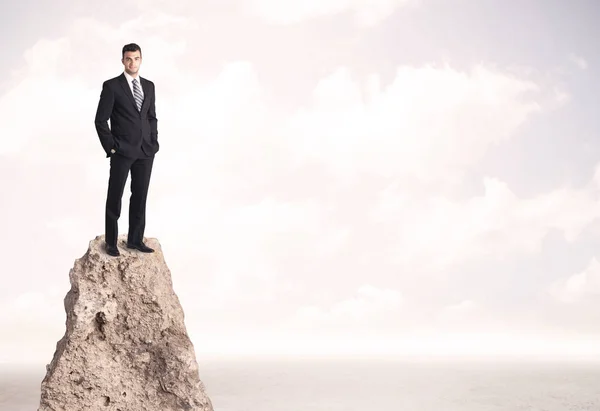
127,90
145,90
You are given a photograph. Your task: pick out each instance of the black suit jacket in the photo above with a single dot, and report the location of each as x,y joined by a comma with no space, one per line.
132,133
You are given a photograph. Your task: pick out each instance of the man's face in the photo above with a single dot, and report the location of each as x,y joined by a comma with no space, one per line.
132,61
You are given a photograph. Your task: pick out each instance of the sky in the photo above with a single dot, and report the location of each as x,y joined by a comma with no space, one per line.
335,177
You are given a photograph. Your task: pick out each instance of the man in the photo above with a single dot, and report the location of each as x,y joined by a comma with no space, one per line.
131,143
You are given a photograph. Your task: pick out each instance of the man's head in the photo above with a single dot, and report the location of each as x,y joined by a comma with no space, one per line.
132,58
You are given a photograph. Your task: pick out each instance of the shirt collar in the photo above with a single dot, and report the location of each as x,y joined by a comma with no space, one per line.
129,78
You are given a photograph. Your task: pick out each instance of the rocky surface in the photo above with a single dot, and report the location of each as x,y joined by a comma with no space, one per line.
125,347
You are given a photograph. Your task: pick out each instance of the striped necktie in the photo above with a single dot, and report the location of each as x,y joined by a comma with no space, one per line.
137,95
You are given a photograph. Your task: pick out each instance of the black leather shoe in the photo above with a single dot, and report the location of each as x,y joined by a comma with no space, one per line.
141,247
112,250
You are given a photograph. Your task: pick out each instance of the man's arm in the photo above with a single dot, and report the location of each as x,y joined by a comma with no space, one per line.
105,106
152,117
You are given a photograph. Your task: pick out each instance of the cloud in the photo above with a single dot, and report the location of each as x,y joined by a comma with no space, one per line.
428,122
31,316
320,209
369,307
243,154
285,12
242,247
439,232
366,13
458,311
465,316
578,61
582,287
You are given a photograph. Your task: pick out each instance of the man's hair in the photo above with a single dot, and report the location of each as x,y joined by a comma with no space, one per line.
131,47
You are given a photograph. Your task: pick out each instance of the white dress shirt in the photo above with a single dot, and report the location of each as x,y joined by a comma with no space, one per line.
130,82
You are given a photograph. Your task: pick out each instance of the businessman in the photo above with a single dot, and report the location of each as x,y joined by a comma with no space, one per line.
131,142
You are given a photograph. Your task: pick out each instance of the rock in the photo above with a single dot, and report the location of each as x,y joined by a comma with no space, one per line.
125,347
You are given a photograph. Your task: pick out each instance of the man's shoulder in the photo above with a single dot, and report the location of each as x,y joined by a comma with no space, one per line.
113,80
144,79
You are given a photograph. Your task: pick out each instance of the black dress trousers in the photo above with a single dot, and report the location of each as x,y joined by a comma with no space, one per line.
140,168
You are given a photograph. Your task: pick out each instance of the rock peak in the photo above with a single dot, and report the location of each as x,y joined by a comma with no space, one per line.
126,347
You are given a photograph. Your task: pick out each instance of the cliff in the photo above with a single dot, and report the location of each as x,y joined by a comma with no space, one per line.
125,347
